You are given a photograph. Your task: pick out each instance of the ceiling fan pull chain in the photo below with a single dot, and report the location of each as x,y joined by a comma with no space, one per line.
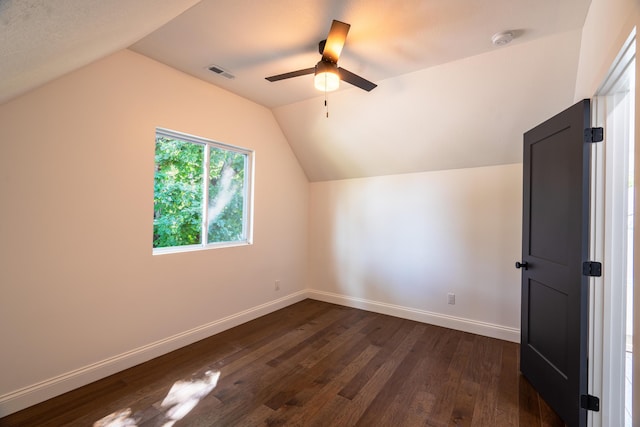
326,105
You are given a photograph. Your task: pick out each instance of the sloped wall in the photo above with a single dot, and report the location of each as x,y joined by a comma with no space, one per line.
607,26
82,295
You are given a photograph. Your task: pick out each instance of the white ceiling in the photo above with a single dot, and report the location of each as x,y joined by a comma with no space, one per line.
44,39
467,113
447,98
388,38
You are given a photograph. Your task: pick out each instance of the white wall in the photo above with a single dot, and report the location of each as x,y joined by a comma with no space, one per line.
79,283
82,295
398,244
606,27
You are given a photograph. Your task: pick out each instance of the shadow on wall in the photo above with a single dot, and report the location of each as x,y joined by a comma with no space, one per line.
411,239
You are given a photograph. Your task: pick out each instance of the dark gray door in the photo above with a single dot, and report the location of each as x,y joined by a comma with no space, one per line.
555,234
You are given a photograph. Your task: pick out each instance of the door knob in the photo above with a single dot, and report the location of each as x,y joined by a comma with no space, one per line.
524,265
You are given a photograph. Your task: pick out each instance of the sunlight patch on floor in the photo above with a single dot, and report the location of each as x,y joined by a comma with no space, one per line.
120,418
181,399
185,395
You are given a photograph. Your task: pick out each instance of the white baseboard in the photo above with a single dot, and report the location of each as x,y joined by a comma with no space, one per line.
438,319
36,393
39,392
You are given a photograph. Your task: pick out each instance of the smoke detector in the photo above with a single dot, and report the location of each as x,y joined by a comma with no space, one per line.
501,39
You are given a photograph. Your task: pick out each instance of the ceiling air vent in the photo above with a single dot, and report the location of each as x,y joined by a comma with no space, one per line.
222,72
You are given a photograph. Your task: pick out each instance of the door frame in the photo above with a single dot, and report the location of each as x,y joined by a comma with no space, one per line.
607,311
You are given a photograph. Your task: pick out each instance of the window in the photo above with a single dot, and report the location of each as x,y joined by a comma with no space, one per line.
202,193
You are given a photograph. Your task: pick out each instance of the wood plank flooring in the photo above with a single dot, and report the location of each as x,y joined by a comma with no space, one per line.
313,364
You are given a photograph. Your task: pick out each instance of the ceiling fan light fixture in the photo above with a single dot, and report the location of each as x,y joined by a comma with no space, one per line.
326,77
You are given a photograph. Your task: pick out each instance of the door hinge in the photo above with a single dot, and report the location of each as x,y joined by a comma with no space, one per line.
592,268
590,403
593,135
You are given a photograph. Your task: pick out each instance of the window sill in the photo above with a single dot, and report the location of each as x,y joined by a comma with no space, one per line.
195,248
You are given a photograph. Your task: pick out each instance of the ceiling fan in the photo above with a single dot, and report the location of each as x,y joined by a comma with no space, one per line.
327,73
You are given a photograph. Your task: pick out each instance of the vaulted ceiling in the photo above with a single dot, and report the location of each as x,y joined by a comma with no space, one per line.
446,96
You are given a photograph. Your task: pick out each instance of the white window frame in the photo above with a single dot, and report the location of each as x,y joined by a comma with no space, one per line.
247,214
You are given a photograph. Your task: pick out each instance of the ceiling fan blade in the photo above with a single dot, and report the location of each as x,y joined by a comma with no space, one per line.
356,80
291,74
335,41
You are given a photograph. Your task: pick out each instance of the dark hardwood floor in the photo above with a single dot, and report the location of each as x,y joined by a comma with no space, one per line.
313,364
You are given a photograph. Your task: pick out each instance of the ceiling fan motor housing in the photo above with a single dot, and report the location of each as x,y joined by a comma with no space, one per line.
324,66
321,46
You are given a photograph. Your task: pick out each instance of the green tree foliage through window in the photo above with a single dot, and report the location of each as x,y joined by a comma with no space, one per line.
178,193
226,191
182,166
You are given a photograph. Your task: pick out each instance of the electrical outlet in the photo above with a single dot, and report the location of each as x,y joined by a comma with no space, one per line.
451,298
277,285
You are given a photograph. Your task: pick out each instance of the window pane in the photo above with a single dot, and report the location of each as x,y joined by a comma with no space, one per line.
177,217
226,196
